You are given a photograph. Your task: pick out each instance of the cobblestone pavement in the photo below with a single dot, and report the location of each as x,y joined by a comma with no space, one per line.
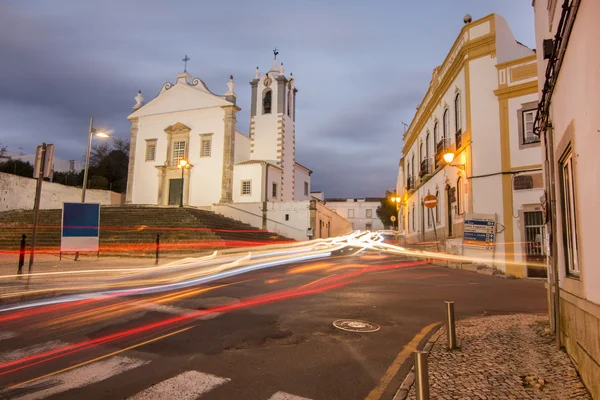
501,357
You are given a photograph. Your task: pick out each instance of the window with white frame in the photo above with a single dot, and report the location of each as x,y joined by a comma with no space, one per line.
527,135
369,213
457,113
246,187
351,213
306,188
368,226
274,190
436,135
205,146
459,194
178,151
569,219
151,150
446,125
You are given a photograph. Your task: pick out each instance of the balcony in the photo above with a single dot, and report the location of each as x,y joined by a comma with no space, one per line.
426,168
458,140
444,145
410,184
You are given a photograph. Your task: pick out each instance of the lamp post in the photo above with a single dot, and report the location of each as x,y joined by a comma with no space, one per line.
397,200
92,132
182,164
449,157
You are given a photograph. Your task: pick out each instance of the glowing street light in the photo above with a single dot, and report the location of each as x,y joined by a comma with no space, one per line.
449,157
92,132
183,163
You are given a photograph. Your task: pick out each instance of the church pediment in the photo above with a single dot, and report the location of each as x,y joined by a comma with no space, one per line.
177,128
180,97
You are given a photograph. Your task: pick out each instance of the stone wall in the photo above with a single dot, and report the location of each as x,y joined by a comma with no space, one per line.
580,335
18,193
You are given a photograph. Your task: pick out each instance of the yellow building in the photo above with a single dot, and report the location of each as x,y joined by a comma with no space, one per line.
471,144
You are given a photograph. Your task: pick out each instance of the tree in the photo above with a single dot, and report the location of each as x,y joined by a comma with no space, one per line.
387,209
111,161
2,150
98,182
17,167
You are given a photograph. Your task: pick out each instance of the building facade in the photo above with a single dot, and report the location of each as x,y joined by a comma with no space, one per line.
360,212
471,145
188,124
568,61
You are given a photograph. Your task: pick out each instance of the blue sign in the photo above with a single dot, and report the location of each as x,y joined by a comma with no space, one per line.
479,230
80,227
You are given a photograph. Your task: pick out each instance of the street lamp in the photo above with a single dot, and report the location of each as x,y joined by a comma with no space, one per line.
183,165
449,157
93,132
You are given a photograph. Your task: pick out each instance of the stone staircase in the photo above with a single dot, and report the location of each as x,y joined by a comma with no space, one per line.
132,230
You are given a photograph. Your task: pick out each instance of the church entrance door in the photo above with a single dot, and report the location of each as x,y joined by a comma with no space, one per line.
175,190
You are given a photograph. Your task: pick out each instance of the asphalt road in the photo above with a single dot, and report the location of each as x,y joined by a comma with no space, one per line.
269,337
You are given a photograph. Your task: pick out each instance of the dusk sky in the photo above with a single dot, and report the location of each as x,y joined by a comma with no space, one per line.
361,68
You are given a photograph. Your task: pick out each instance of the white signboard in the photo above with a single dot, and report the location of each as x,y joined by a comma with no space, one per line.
480,230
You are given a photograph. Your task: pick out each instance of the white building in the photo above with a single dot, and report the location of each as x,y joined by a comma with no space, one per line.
568,61
58,164
254,178
478,110
361,212
187,121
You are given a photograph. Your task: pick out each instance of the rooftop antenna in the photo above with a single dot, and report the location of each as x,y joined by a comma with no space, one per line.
405,126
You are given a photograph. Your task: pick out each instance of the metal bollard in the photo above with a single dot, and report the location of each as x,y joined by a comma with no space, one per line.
421,375
157,246
450,325
22,254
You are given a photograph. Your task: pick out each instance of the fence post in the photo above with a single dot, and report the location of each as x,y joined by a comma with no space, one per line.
450,325
157,246
421,375
22,254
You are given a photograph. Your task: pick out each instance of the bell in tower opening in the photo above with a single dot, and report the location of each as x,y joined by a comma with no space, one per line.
267,101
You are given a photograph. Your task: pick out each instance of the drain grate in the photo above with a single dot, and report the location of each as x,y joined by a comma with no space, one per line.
354,325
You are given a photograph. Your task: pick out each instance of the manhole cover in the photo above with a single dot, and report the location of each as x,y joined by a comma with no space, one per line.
353,325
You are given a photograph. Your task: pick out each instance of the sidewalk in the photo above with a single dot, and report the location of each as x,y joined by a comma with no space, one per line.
499,357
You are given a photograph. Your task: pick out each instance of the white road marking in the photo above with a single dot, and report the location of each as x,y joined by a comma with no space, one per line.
78,377
286,396
31,350
8,335
185,386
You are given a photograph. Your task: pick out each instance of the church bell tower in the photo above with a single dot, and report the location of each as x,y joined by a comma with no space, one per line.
272,123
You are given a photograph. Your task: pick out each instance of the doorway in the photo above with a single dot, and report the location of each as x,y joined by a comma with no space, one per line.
449,199
175,191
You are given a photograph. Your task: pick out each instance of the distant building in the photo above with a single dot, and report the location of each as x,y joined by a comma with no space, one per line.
58,164
568,62
478,113
361,212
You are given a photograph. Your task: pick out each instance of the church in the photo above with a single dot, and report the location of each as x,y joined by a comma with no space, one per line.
186,150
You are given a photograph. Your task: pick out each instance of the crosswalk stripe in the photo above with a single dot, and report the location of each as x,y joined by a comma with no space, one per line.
185,386
7,335
286,396
31,350
76,378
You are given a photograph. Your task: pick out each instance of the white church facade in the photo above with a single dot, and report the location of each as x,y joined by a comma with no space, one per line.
186,151
187,124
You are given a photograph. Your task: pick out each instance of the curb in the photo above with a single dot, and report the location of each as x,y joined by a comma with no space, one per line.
404,389
480,269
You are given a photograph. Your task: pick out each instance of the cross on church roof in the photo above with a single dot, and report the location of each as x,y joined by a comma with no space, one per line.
185,60
275,52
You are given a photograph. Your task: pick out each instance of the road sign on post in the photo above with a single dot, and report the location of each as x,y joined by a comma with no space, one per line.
430,201
80,230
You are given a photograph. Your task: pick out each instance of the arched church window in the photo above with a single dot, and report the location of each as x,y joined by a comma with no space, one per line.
267,100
